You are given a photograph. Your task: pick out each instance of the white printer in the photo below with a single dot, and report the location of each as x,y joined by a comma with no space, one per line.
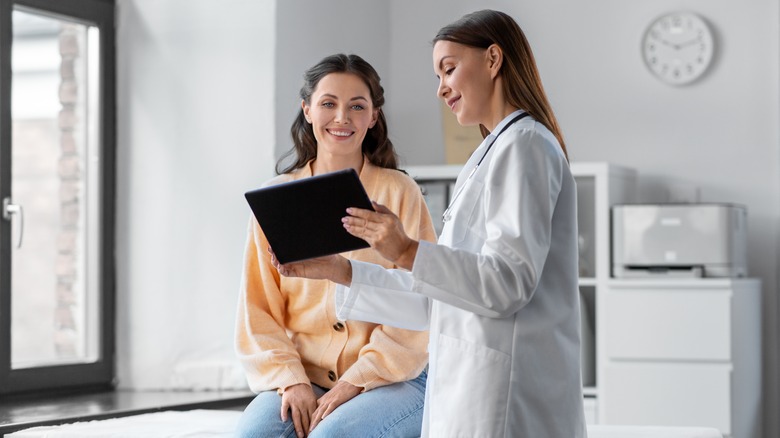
679,240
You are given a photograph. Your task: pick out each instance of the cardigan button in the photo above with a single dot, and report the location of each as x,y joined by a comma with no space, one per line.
332,376
338,327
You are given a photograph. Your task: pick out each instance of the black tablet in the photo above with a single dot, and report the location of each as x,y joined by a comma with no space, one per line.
302,218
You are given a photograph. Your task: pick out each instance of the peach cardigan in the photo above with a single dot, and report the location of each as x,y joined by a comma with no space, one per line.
286,328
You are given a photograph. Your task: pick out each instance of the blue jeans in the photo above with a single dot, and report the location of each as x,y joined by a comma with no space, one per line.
394,410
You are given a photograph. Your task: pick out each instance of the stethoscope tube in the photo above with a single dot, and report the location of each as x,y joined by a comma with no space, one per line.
447,213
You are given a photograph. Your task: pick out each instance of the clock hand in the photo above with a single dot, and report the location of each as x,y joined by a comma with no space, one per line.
688,43
679,46
667,43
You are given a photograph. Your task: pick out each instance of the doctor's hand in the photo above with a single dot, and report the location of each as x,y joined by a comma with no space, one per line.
384,232
301,403
337,396
333,267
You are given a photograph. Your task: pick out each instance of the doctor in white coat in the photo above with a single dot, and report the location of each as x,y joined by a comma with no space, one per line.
499,291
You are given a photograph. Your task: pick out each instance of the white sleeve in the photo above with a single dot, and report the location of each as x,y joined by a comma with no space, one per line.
520,192
393,303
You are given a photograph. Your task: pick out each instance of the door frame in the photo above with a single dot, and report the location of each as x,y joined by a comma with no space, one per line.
99,374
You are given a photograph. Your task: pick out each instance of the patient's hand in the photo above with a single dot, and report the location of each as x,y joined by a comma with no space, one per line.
299,400
340,394
333,267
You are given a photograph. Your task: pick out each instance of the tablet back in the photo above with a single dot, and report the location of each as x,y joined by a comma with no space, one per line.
302,218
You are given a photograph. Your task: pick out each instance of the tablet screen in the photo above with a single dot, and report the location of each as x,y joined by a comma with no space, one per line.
302,219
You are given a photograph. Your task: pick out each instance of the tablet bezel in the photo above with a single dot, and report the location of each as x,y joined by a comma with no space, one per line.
302,218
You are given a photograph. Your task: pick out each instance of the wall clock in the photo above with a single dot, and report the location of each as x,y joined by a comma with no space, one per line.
678,47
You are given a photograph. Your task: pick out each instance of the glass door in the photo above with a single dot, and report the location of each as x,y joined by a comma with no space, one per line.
56,186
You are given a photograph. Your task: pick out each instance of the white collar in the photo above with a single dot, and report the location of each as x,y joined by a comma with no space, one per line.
506,120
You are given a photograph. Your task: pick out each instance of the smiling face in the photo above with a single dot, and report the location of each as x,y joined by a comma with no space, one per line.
341,112
465,82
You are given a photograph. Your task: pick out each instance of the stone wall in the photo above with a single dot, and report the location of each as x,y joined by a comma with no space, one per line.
66,328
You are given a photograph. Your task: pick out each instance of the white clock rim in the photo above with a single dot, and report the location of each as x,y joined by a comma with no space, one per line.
709,52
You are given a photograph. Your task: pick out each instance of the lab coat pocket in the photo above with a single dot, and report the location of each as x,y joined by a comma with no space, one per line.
470,389
464,211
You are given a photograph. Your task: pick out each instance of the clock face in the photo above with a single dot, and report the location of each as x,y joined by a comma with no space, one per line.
678,47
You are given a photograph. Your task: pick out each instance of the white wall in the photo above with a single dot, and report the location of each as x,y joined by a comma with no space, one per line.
720,134
308,31
195,130
178,131
205,98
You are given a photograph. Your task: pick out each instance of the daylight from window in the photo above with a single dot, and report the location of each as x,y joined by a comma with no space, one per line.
55,191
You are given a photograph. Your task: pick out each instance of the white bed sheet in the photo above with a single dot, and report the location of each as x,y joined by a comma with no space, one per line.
202,423
197,423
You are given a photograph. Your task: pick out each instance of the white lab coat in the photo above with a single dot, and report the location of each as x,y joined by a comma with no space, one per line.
499,295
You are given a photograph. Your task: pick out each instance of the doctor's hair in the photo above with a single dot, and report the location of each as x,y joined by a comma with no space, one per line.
377,147
522,84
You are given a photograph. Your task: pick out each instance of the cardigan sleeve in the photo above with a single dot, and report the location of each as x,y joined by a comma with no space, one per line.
263,347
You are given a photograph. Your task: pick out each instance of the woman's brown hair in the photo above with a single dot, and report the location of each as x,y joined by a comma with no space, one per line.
522,84
376,146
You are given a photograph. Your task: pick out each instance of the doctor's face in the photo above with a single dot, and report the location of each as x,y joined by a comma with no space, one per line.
465,83
341,113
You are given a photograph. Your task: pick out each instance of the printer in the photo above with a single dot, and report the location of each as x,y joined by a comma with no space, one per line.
679,240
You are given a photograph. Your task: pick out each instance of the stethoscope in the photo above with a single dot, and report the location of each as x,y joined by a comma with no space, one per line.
447,215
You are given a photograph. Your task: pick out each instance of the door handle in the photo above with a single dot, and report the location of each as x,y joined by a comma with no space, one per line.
9,210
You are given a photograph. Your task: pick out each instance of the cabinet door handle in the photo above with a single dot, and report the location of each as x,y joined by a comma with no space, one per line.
9,210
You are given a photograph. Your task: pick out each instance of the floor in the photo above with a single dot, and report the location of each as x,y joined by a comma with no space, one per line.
21,413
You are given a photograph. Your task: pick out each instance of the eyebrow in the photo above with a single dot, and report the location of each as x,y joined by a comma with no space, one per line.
441,61
353,99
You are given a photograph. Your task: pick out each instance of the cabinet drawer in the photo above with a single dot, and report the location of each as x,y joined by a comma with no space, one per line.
590,406
659,394
668,324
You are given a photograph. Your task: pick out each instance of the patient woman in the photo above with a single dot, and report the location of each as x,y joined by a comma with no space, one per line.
317,376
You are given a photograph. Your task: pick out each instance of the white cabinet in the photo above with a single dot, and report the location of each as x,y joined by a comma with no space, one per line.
668,393
682,353
599,187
